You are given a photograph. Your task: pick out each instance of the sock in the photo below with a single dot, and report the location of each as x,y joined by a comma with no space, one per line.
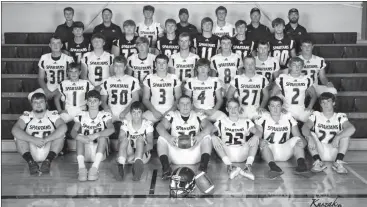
226,161
51,155
164,162
316,157
250,160
121,160
28,157
81,163
98,160
204,160
274,167
339,156
301,163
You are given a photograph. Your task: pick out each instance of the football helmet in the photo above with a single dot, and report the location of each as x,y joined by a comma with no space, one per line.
182,182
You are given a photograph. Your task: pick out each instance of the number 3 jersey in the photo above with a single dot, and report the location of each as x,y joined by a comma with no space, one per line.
141,67
40,128
132,134
75,92
162,90
276,132
233,133
54,68
325,128
226,67
179,126
90,126
98,68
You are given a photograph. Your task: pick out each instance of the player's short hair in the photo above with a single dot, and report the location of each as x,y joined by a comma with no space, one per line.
148,8
162,56
98,36
221,8
296,59
106,9
202,62
78,24
74,65
263,42
120,59
140,40
232,100
240,22
184,96
37,96
225,37
68,9
56,37
275,99
249,57
206,19
184,34
170,21
307,40
93,94
277,21
137,105
129,22
326,96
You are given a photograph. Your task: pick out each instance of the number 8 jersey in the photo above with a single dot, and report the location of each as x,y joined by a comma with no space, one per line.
233,133
98,68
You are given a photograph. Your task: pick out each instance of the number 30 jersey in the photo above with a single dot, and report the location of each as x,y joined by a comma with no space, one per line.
190,127
233,133
325,128
40,128
98,67
75,92
90,126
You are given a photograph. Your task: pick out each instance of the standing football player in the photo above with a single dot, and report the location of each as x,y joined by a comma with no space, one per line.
266,65
126,44
206,45
241,45
168,44
222,27
78,45
328,134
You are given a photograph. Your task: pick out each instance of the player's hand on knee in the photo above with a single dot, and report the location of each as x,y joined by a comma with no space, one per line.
83,139
253,141
330,85
93,136
284,111
174,140
38,142
217,144
209,112
63,112
335,142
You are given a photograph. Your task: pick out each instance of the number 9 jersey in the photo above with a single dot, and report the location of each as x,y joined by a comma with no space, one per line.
233,133
98,68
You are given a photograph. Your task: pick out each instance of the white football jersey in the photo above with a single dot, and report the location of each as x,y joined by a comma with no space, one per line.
151,32
203,92
312,67
267,67
90,126
326,129
249,89
294,89
226,67
75,92
162,90
183,66
141,68
180,127
40,128
233,133
98,67
132,134
227,29
55,69
277,132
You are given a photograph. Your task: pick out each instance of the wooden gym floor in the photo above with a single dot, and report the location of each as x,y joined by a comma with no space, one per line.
61,187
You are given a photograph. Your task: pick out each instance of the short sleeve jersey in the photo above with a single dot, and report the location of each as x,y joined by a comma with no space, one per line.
233,133
180,127
90,126
227,29
267,67
281,49
226,67
312,67
243,48
168,47
98,67
203,92
78,50
206,47
132,134
151,32
40,128
127,47
183,66
75,92
141,67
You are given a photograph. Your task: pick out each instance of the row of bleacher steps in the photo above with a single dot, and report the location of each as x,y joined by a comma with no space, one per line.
346,68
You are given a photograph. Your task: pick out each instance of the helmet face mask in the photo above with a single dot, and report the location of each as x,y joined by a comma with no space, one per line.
182,182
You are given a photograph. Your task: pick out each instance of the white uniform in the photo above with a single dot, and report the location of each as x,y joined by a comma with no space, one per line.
179,127
132,135
98,67
227,29
90,126
141,68
325,130
55,69
162,93
184,67
311,69
75,97
249,93
40,128
151,32
294,92
119,91
234,134
267,67
278,135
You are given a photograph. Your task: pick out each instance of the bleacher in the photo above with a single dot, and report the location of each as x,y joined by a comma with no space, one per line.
346,60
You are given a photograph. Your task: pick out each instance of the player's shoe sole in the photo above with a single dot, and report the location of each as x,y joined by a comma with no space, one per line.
33,167
234,172
306,173
340,169
248,175
167,174
82,174
138,169
93,174
274,174
45,167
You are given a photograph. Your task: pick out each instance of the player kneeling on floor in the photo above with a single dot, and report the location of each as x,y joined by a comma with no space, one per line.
330,136
277,144
189,141
230,141
39,134
136,141
91,131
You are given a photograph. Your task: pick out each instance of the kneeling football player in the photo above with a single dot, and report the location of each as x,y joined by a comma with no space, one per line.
230,141
39,134
277,144
330,136
95,127
136,141
189,141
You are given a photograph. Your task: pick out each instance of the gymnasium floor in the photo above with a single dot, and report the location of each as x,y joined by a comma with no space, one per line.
61,187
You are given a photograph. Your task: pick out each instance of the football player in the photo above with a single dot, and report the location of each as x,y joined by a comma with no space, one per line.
206,45
248,88
73,91
126,44
39,134
184,122
266,65
277,144
328,134
205,91
79,45
282,47
222,27
293,88
226,64
230,140
135,141
91,131
96,64
183,63
241,45
168,44
161,90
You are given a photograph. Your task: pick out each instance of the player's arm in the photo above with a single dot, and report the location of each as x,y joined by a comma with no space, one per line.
18,131
57,100
323,77
42,83
348,130
146,99
265,98
134,97
213,69
207,128
66,50
312,92
162,128
129,69
84,67
178,94
219,99
293,50
104,99
115,50
276,90
108,131
306,129
59,132
149,145
75,135
277,70
297,133
256,132
171,68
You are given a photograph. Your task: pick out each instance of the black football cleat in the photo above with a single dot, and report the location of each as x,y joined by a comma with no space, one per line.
33,167
138,169
167,174
45,167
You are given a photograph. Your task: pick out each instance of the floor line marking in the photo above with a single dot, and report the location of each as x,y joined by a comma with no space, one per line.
153,182
356,174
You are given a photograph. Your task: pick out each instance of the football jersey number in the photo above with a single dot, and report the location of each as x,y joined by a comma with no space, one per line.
313,72
128,52
60,76
168,53
86,132
270,138
206,52
234,139
74,98
227,75
163,96
187,73
241,53
282,55
140,77
247,94
201,97
78,57
123,97
98,73
191,133
44,134
294,101
150,38
324,135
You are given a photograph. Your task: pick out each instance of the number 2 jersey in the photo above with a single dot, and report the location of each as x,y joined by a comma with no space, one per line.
325,128
40,128
90,126
132,134
206,47
184,67
54,68
141,67
98,67
267,67
233,133
168,47
179,126
281,49
75,92
312,67
226,67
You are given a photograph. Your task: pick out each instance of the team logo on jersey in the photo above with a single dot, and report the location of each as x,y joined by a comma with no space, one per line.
74,84
170,42
299,33
279,41
119,80
113,30
98,58
226,59
77,45
40,121
250,80
263,64
328,121
241,42
147,28
202,83
92,122
308,61
206,40
221,29
295,80
162,79
234,124
55,62
184,61
142,62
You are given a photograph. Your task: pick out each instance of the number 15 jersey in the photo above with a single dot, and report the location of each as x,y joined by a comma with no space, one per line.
98,67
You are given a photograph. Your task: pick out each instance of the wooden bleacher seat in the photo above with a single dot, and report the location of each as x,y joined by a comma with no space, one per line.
22,67
356,51
360,104
326,51
361,67
39,38
345,37
34,51
11,85
335,67
15,38
7,124
5,106
8,51
3,67
344,104
354,84
321,38
19,82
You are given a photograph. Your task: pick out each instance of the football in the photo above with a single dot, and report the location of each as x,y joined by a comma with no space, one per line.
184,142
204,183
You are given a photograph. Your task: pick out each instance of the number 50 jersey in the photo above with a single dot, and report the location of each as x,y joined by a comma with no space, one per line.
98,67
233,133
